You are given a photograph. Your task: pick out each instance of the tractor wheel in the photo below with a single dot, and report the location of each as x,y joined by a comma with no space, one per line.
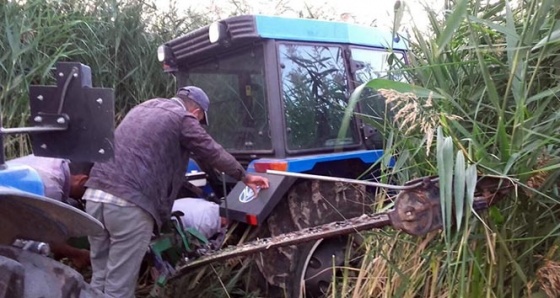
309,203
27,274
315,267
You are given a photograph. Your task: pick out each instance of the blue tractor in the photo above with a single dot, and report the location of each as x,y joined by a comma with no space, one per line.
279,88
70,120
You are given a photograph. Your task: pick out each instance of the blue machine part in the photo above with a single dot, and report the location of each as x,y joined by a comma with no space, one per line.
193,169
23,178
326,31
306,163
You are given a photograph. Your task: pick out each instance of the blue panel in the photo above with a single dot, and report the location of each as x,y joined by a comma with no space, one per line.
306,163
23,178
325,31
193,166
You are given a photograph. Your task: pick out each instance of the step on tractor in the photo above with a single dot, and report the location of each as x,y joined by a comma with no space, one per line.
279,88
70,120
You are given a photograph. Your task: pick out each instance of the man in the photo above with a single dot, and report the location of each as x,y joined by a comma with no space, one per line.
63,181
133,193
200,214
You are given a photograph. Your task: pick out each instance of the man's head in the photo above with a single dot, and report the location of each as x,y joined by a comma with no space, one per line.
196,101
79,173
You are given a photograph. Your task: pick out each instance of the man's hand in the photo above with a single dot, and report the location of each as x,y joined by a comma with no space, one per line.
255,183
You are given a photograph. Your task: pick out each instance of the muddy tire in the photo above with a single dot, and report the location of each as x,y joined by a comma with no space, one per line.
308,203
24,274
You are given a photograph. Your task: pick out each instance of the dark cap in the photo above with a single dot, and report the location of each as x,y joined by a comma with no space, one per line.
197,95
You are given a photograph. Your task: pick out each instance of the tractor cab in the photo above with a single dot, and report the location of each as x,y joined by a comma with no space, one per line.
279,89
279,86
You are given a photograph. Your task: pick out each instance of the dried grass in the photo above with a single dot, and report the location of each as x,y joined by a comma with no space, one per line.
548,277
415,115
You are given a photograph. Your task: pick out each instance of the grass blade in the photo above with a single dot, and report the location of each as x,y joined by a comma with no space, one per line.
459,188
452,23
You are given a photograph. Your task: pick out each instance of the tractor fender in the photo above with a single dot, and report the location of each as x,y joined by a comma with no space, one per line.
29,216
242,205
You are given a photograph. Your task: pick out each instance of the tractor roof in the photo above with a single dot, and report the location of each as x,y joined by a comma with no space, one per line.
246,29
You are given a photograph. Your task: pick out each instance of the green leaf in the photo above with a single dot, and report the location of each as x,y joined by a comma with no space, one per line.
553,38
445,173
511,161
544,94
496,215
349,111
492,92
502,139
452,23
516,63
545,169
459,188
471,178
401,87
502,29
399,9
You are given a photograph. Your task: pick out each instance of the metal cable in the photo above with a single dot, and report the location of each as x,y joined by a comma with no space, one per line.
354,181
65,89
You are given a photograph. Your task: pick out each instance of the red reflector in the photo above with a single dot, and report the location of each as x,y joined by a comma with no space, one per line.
251,219
262,166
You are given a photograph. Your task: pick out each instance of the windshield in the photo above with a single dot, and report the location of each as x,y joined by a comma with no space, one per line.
315,94
238,114
372,64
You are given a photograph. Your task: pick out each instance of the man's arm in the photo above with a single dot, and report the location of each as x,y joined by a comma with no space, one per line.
198,141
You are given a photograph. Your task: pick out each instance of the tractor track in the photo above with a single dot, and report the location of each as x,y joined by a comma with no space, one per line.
333,229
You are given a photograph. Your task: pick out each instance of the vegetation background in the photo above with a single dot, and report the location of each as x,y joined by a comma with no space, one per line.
117,39
493,71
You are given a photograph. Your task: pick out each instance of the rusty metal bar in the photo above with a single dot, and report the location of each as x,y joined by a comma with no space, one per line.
346,180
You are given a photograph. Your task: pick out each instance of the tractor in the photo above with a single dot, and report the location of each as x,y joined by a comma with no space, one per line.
279,88
70,120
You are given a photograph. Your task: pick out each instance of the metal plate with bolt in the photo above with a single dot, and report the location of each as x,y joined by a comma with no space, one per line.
71,120
83,114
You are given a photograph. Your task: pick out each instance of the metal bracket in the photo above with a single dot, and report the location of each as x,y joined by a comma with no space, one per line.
79,116
44,122
70,120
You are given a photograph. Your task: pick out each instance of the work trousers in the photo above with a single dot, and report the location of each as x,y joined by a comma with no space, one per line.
116,254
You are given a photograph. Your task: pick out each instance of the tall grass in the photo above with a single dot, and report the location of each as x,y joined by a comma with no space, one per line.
117,39
488,81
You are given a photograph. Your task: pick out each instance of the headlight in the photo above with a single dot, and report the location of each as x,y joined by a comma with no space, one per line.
161,53
216,31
